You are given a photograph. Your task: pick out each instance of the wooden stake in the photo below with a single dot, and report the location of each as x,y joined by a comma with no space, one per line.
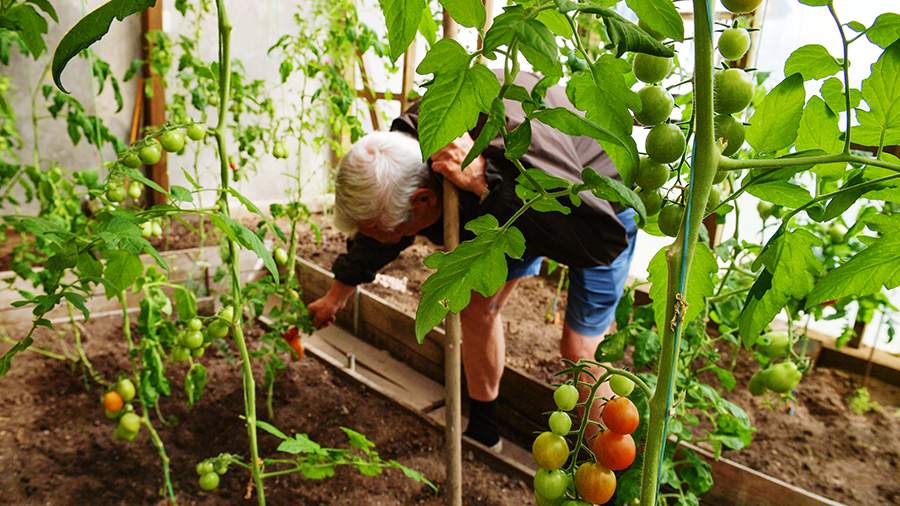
155,104
409,71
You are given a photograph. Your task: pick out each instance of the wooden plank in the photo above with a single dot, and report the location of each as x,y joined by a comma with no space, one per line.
409,72
155,103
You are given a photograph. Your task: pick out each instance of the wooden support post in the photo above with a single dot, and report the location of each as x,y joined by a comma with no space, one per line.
367,88
409,71
452,352
155,102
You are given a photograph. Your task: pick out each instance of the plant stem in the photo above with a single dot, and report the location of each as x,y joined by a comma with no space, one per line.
680,253
220,132
778,163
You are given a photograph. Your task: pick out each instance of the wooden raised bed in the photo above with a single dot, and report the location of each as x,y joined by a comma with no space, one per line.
523,398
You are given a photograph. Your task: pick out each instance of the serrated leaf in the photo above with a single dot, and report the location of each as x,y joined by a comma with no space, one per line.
357,440
880,125
451,105
478,264
300,443
122,270
700,284
137,175
775,123
875,268
660,15
812,61
819,130
518,141
271,429
627,36
611,190
495,122
246,238
29,25
185,304
6,359
91,28
535,41
790,271
181,194
245,201
885,30
781,193
833,93
446,55
194,383
466,12
402,19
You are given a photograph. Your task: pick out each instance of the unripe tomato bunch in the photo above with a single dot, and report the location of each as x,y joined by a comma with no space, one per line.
588,480
780,374
209,471
117,406
194,338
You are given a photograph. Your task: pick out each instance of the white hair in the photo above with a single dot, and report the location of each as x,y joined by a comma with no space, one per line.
376,180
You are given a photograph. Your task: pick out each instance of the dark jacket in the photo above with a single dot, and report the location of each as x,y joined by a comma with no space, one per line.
591,235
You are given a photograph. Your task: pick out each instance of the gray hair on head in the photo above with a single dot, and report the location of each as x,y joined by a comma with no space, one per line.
376,180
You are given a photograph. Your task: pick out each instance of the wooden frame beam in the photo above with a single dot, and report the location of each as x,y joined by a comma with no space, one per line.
155,102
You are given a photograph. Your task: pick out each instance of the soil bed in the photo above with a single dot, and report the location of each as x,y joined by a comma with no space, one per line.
56,446
817,443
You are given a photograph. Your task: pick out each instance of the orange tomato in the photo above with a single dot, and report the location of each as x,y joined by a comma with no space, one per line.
298,348
113,402
595,483
620,415
615,451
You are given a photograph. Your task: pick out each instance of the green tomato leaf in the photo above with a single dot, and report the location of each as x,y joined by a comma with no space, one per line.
660,16
446,55
91,28
885,30
881,91
271,429
246,238
185,304
478,264
775,123
611,190
29,25
466,12
780,193
819,130
869,271
833,92
194,383
6,359
700,284
790,270
122,270
139,176
402,18
536,42
812,61
451,105
612,347
496,120
518,141
571,123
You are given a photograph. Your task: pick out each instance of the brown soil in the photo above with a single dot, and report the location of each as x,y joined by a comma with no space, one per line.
56,446
818,444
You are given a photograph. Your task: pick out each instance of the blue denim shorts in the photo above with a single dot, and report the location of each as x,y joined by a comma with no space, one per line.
594,292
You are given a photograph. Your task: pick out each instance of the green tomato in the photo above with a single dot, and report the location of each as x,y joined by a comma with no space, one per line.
670,219
135,189
281,256
741,6
195,324
621,385
774,344
198,352
157,229
180,354
560,423
205,467
227,314
192,339
543,501
123,434
130,423
172,140
196,132
551,484
765,209
656,105
721,175
575,63
209,481
837,232
783,377
734,43
650,174
731,131
151,153
218,329
131,159
116,193
715,198
757,384
221,467
566,397
665,143
652,201
125,388
733,91
651,69
279,150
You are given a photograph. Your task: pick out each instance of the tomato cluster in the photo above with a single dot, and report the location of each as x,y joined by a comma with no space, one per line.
209,471
117,405
590,481
779,377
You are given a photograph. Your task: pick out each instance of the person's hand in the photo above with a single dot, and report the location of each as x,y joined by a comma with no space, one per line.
323,311
448,162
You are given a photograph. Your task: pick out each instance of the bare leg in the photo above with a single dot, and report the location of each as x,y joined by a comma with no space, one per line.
484,346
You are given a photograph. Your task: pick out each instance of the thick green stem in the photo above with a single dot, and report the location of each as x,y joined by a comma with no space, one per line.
704,167
234,266
778,163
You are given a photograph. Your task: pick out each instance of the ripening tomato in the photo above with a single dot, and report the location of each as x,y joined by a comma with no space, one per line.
774,344
731,131
732,90
620,415
757,384
298,348
715,198
595,483
656,105
281,256
615,451
125,389
151,153
550,451
112,401
130,423
783,377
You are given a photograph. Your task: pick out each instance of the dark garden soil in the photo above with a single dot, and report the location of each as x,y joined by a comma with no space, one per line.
817,443
56,446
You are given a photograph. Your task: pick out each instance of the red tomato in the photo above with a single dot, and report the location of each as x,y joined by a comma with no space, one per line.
595,483
298,348
290,334
620,415
615,451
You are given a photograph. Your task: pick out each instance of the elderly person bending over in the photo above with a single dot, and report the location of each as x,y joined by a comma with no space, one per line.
385,196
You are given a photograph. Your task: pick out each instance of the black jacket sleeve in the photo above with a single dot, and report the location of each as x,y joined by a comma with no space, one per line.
364,258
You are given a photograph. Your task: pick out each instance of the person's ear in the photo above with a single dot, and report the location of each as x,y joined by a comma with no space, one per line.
424,198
